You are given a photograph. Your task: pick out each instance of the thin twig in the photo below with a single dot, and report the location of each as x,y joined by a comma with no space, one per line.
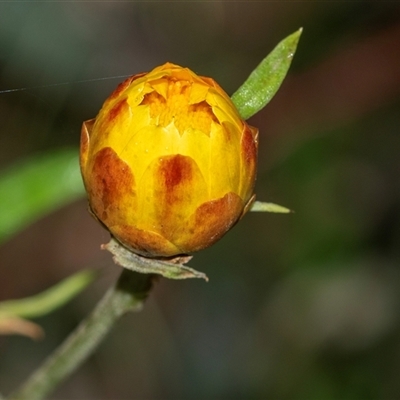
128,294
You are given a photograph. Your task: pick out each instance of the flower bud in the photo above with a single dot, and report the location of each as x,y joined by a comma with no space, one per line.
168,164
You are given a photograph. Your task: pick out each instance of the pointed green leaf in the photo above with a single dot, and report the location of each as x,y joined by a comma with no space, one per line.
265,80
260,206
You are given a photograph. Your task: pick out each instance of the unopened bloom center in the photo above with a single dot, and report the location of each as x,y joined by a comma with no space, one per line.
172,104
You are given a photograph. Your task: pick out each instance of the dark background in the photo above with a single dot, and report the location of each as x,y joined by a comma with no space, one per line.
300,306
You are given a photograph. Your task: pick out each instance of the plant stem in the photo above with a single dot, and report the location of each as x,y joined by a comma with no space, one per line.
128,294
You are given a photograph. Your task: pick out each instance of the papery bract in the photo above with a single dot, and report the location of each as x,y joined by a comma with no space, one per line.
168,164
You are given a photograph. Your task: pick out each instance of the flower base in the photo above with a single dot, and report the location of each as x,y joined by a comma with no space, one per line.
172,268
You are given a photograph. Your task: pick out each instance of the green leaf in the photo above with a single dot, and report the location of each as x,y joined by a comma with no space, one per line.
262,84
37,186
49,300
168,268
260,206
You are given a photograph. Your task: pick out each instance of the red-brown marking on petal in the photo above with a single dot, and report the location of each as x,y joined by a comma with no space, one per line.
111,180
84,145
249,145
117,109
178,188
145,243
174,171
211,221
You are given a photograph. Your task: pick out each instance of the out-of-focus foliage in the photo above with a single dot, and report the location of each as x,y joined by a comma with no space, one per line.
13,313
36,187
298,306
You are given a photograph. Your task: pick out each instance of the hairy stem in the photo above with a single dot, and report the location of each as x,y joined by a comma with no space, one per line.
128,294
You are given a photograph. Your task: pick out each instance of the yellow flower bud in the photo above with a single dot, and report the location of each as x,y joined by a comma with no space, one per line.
168,164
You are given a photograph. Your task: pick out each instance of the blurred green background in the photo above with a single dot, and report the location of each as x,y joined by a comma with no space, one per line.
301,306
